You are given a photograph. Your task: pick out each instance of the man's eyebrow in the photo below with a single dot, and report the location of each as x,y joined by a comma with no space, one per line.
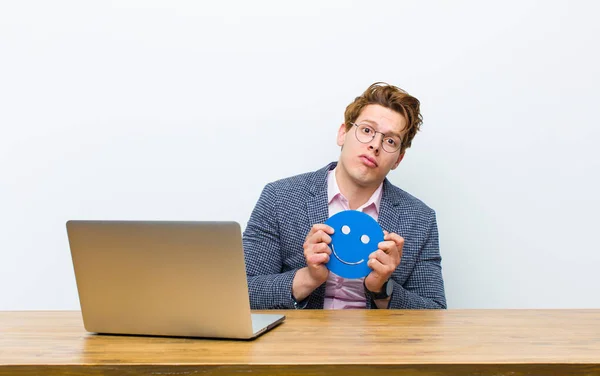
371,122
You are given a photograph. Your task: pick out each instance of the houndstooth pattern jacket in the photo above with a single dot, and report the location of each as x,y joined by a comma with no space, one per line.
288,208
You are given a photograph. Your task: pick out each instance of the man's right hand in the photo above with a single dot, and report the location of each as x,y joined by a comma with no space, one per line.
316,253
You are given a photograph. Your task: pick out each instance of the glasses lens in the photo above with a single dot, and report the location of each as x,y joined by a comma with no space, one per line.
364,133
391,144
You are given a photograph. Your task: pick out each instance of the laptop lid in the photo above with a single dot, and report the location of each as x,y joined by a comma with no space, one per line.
163,278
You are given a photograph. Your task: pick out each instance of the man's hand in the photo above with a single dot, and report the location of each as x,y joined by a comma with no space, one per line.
384,261
316,253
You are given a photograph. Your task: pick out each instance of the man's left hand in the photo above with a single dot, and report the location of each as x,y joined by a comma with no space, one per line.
384,261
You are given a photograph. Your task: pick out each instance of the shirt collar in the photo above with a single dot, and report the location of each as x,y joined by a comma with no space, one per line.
333,191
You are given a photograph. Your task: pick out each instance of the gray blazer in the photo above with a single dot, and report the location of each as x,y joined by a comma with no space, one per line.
285,213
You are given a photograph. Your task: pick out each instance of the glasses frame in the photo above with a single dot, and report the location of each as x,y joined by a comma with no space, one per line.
383,137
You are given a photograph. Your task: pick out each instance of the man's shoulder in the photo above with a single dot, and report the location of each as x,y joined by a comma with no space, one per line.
406,200
305,182
293,182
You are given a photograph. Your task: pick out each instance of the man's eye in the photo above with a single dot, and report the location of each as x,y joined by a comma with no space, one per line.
391,142
367,130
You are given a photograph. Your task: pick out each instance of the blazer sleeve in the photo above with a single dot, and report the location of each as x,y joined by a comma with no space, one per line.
269,286
424,288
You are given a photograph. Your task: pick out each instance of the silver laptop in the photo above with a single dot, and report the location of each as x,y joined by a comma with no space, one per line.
164,278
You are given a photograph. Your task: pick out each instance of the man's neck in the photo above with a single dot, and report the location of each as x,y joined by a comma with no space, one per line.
355,194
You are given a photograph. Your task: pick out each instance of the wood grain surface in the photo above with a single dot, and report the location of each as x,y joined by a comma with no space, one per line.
319,342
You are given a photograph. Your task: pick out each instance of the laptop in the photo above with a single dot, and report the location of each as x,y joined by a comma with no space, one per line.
164,278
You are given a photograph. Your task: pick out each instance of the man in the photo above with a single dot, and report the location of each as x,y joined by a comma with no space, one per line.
286,240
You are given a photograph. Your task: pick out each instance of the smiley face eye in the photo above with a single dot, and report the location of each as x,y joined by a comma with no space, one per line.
365,239
345,230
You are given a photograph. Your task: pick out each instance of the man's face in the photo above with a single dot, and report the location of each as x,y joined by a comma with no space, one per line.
367,164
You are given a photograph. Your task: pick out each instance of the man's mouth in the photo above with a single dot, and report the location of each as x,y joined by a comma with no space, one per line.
368,161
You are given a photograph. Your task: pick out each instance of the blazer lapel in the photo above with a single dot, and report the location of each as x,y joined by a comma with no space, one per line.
316,203
318,212
317,209
388,211
389,220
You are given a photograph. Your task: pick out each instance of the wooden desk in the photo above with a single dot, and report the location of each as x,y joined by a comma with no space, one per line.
453,342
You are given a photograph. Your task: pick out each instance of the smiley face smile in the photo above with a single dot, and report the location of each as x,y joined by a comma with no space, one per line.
344,261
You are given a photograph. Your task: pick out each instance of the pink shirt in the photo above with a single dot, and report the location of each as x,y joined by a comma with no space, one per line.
342,293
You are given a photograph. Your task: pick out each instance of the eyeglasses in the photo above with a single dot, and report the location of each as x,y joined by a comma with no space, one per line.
365,134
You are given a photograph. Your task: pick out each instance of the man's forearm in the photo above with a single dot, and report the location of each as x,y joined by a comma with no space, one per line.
303,284
404,299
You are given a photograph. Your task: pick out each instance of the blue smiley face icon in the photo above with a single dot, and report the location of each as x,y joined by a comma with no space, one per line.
355,237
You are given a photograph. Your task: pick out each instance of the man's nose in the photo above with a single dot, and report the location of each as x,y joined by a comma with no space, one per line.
375,143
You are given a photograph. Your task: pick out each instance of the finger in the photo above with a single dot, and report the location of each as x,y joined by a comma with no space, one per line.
317,259
320,248
378,268
388,246
395,255
399,240
381,269
317,254
382,257
392,259
321,227
319,237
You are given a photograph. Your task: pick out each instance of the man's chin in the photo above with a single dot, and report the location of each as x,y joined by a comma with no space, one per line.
365,180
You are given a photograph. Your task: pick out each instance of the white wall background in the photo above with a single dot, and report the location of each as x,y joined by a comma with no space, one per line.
183,110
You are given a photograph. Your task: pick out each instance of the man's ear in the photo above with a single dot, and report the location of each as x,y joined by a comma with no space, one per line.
341,135
400,157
